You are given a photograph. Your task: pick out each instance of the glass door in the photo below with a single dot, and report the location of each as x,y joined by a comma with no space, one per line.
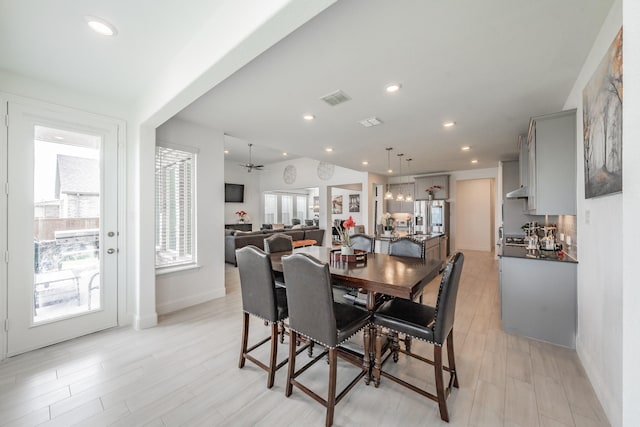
62,234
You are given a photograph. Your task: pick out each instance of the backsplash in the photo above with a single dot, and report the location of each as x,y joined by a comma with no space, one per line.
566,228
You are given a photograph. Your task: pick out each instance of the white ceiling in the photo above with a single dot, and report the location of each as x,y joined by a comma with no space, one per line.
489,65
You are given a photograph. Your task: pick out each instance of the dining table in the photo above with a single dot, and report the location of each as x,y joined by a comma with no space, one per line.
377,273
396,276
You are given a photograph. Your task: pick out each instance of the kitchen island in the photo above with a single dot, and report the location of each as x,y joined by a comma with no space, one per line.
538,293
434,243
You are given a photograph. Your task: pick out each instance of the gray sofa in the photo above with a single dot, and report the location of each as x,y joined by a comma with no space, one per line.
238,239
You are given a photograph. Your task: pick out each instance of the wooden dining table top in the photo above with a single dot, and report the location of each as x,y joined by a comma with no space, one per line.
397,276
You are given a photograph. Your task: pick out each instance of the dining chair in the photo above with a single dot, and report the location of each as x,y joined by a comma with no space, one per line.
260,298
314,314
362,242
278,242
431,324
407,246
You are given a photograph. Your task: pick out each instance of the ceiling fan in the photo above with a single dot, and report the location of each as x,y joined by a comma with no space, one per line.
250,166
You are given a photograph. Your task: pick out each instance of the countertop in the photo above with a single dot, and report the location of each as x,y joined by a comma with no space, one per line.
413,236
535,254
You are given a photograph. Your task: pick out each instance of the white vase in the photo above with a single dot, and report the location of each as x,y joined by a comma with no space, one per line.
346,250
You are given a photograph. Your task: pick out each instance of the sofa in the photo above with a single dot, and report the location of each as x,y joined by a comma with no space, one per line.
234,239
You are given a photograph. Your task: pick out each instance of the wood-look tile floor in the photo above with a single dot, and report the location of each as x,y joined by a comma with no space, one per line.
184,372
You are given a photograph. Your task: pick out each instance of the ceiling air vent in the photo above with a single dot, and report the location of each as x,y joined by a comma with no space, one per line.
335,98
371,121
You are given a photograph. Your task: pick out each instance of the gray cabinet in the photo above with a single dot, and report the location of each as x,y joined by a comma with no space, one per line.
552,164
538,299
424,183
394,206
432,248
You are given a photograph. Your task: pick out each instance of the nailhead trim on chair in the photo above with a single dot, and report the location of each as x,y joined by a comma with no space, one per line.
268,321
326,345
418,338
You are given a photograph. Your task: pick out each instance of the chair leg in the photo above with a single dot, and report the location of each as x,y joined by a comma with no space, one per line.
395,346
281,331
245,339
366,358
377,366
331,398
274,354
452,359
437,364
293,338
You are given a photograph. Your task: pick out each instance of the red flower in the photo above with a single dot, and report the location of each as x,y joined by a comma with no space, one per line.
349,223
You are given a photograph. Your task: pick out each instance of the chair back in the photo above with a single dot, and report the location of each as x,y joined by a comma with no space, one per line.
447,295
278,242
406,246
257,283
362,242
310,298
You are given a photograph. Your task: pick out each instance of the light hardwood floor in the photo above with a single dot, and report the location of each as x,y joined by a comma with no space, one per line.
184,372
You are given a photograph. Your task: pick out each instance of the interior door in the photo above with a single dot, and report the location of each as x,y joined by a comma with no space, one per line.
62,225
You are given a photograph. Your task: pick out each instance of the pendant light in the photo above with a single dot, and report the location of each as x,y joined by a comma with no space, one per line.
400,196
388,195
408,198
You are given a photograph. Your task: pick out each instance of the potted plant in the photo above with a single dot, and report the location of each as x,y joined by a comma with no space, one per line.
346,247
431,190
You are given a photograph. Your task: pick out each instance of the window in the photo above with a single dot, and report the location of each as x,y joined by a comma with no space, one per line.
281,208
175,207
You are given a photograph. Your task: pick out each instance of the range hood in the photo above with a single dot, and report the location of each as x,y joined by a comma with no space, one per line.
520,193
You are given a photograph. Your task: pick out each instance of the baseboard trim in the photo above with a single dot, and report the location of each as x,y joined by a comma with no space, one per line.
145,322
189,301
599,386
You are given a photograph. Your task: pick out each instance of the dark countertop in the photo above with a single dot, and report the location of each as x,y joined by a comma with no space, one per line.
522,252
413,236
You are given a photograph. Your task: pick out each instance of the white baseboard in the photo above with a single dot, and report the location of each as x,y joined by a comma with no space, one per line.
145,322
613,413
190,300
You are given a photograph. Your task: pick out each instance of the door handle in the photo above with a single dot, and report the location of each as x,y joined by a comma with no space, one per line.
111,251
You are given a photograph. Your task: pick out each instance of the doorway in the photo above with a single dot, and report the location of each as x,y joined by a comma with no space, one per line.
62,232
475,214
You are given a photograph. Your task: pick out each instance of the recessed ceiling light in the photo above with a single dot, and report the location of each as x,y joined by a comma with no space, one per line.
474,161
308,117
465,148
393,87
101,26
449,124
365,163
59,138
389,170
226,151
328,149
285,154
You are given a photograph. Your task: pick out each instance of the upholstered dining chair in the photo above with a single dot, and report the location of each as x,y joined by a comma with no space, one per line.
278,242
260,298
314,314
406,246
431,324
362,242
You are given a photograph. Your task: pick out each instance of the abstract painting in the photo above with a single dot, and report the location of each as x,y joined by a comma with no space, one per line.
602,125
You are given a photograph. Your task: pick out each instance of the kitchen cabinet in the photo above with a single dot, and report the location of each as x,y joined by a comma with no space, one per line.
423,183
394,206
432,248
538,299
552,164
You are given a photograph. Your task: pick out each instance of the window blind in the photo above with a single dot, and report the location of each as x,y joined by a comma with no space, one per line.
175,210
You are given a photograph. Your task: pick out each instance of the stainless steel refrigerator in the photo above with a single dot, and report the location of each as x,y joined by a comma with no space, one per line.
432,217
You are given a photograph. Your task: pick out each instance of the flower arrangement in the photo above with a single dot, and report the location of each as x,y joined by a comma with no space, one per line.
433,188
343,231
242,216
388,221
